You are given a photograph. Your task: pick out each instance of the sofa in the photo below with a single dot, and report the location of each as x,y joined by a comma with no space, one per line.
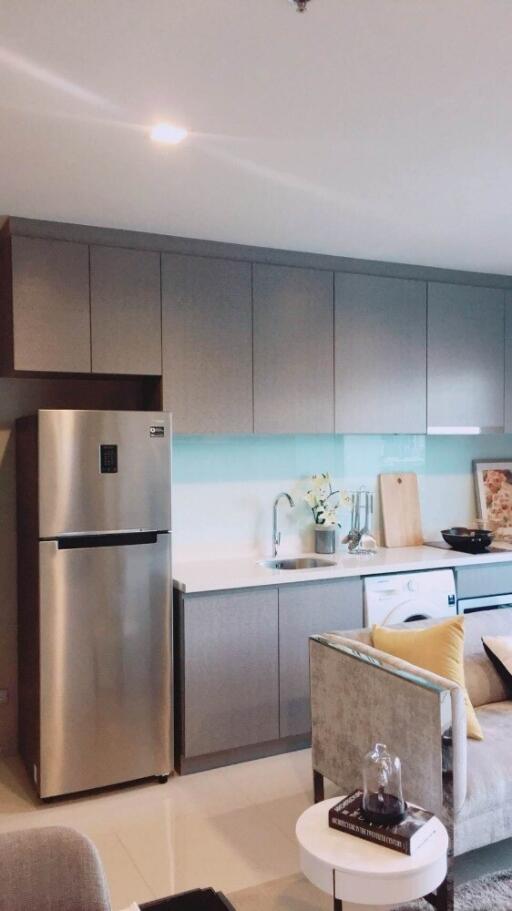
360,696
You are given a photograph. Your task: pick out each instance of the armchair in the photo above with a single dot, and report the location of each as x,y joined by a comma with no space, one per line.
360,695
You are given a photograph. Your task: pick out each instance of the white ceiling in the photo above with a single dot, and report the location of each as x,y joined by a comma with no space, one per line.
372,128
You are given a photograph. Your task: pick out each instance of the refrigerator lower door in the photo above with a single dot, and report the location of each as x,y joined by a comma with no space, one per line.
105,661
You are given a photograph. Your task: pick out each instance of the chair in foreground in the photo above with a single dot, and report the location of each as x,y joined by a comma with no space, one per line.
58,869
51,869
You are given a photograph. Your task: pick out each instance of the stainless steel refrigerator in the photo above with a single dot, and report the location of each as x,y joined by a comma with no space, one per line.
95,597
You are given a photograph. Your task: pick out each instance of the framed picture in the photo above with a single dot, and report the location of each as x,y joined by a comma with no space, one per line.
493,486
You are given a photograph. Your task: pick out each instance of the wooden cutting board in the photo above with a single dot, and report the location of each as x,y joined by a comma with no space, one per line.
401,509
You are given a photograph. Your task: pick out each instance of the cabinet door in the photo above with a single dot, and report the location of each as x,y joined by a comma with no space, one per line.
207,344
380,354
125,311
466,331
231,696
305,610
293,350
50,300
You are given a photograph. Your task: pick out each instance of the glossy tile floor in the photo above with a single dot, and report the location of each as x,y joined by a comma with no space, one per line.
229,828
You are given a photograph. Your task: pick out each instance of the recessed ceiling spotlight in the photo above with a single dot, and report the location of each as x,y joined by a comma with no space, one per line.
300,5
168,133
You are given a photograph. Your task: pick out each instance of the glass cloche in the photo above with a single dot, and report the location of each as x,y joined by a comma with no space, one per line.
383,801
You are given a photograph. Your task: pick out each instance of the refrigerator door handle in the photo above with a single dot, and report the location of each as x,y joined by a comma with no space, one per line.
110,539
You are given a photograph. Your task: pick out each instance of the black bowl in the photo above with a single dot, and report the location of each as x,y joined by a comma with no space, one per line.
470,540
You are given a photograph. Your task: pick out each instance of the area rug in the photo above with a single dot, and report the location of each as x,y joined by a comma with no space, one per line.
294,893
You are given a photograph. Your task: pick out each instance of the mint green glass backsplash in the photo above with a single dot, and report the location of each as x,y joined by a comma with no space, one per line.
223,459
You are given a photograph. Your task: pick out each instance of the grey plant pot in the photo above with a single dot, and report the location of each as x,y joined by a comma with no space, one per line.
325,539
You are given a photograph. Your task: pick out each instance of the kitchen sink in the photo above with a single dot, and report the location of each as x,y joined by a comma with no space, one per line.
297,563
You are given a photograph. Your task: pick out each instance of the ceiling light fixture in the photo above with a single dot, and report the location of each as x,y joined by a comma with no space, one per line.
300,5
168,133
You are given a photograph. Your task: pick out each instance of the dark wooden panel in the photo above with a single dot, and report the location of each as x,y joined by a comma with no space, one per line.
6,323
466,351
306,610
125,311
380,355
24,395
28,595
293,350
51,320
230,656
207,344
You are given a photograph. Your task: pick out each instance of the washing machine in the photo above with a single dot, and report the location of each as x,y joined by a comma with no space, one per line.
402,597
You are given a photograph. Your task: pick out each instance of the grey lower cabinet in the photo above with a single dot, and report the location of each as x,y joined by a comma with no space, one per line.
243,667
306,609
293,350
50,306
466,354
207,344
125,311
229,667
380,354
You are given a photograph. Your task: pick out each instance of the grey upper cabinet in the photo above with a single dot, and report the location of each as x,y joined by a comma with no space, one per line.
50,306
466,347
293,350
230,670
125,311
305,610
508,363
207,344
380,354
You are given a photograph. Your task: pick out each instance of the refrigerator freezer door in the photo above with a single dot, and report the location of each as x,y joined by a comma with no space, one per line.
105,664
103,471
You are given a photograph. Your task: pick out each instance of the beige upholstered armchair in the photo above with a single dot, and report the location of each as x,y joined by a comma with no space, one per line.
360,696
50,869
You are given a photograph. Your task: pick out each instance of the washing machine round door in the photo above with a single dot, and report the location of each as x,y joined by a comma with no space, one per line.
408,610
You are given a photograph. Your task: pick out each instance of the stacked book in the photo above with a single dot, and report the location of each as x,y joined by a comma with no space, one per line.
406,836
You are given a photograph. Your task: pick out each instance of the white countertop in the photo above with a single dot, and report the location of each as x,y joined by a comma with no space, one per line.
216,575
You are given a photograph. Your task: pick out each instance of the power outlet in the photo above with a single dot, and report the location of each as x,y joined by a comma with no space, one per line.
4,696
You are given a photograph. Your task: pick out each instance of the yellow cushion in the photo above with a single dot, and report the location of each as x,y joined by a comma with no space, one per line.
439,649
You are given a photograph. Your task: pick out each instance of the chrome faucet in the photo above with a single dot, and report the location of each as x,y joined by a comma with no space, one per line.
276,535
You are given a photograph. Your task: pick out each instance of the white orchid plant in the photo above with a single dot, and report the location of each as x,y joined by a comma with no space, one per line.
325,502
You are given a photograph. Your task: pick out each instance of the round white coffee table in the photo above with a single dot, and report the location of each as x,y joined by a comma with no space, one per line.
362,876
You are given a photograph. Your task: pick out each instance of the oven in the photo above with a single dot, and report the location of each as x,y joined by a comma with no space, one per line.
488,602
